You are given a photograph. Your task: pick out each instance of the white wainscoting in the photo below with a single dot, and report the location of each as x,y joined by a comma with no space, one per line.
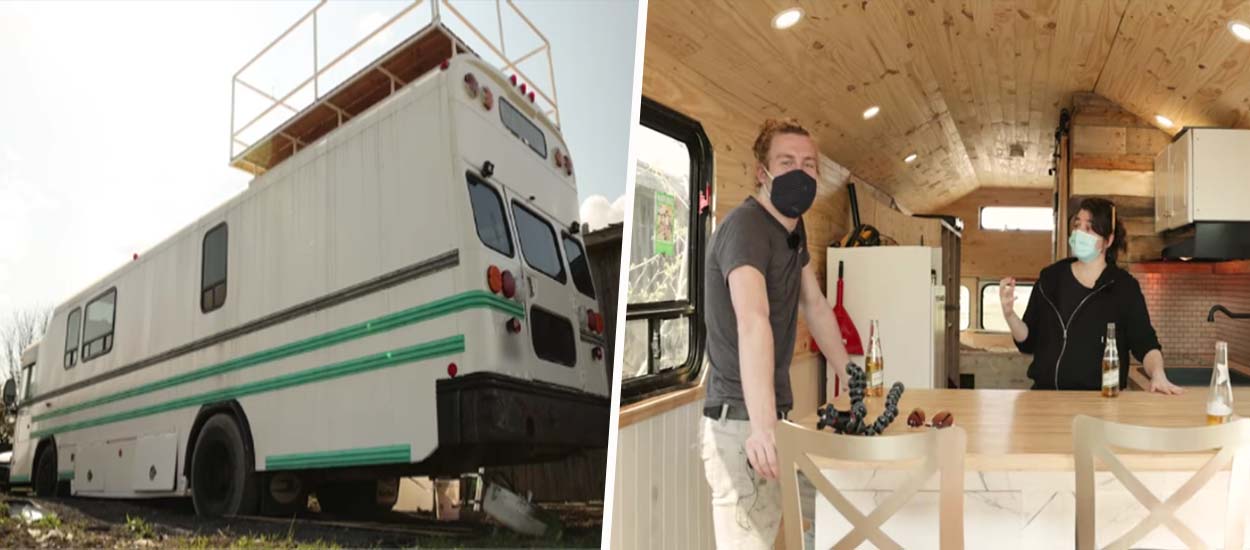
662,499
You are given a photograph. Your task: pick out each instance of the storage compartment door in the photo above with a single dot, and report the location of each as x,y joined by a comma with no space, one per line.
155,460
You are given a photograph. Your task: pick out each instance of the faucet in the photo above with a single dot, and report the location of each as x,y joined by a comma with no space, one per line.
1231,315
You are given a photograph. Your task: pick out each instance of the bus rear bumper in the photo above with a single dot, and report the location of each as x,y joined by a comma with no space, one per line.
487,419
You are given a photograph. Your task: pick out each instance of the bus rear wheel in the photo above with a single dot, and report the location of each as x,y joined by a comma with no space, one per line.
223,479
45,473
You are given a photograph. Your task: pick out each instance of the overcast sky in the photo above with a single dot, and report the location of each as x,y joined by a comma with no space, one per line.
115,119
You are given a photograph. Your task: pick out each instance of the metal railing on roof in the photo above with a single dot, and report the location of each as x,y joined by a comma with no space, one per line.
279,114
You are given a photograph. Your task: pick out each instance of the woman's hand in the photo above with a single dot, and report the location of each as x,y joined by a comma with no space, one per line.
1007,296
1160,384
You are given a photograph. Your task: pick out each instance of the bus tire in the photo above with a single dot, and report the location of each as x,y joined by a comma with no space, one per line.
223,478
45,483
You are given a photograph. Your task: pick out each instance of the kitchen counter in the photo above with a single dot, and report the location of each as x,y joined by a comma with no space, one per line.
1032,430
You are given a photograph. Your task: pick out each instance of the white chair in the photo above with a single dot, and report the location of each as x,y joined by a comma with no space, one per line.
1094,437
941,450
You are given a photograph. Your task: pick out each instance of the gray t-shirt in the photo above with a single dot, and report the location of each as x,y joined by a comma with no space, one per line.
749,235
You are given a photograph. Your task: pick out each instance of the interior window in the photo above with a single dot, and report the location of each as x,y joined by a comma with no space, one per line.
579,265
97,331
213,269
73,328
538,242
1018,218
992,308
488,215
965,298
669,225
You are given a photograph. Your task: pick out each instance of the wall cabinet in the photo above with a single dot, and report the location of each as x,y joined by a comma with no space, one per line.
1203,175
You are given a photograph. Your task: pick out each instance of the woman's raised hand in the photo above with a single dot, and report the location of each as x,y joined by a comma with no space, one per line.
1007,296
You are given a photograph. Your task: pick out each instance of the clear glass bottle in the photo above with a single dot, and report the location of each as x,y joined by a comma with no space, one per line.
875,363
1110,365
1220,398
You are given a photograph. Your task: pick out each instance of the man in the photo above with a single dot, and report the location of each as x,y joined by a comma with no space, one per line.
757,282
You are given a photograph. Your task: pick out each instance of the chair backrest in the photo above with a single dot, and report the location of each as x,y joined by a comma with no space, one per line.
939,450
1094,437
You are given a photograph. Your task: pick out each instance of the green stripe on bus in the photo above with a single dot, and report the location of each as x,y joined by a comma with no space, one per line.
17,480
429,350
390,454
63,476
424,312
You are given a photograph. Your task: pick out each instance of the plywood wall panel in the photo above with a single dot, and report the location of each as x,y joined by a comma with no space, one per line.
997,254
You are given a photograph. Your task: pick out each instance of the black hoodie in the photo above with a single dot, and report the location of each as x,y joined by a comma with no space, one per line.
1067,353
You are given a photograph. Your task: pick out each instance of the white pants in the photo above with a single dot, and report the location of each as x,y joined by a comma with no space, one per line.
746,509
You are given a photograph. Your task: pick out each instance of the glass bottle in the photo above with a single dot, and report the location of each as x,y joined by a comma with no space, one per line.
875,363
1110,365
1220,398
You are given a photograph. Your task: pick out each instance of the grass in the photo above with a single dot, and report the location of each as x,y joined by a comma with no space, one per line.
139,528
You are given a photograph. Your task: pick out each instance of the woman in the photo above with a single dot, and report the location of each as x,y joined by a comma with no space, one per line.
1065,323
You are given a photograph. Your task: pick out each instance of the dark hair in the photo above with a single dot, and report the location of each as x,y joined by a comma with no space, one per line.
1105,221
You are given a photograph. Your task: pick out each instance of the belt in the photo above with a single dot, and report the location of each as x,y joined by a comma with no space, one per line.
732,412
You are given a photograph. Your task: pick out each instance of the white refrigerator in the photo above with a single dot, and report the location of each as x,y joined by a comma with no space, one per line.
901,287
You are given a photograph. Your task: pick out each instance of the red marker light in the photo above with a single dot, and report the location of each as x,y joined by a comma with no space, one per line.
559,159
509,284
446,63
514,325
488,98
512,79
591,323
531,97
134,257
522,88
470,84
494,279
452,369
597,353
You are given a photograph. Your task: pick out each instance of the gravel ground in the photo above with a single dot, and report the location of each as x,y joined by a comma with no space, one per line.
170,523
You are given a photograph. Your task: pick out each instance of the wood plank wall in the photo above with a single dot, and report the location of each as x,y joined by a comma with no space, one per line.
1113,154
998,254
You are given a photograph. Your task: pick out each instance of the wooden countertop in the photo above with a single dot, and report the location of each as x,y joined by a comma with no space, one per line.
1032,430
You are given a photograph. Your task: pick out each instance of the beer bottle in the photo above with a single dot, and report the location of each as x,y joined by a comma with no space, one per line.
875,370
1110,365
1220,398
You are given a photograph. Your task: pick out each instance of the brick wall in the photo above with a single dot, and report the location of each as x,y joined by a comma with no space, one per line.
1178,304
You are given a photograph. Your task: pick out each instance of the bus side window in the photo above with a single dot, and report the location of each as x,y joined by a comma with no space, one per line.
213,268
97,331
28,377
73,330
489,216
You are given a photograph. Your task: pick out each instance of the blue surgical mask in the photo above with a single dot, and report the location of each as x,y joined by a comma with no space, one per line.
1083,245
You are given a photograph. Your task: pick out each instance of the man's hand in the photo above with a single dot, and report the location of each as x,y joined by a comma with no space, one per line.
1007,296
761,449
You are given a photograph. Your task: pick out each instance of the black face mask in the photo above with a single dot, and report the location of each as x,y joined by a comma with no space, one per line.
792,193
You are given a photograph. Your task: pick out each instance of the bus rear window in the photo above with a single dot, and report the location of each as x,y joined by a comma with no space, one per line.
579,264
522,128
488,216
538,242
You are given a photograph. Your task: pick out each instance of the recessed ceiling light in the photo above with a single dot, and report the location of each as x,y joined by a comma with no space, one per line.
1163,121
910,158
871,112
787,18
1240,30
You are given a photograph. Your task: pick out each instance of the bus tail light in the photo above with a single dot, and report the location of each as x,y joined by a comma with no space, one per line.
470,85
494,279
559,158
509,284
488,98
514,325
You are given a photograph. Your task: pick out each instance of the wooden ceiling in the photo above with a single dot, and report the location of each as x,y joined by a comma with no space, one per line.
959,83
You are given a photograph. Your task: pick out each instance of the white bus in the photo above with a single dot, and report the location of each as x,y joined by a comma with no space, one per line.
406,295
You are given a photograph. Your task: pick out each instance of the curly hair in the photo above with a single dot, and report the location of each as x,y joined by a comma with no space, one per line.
772,127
